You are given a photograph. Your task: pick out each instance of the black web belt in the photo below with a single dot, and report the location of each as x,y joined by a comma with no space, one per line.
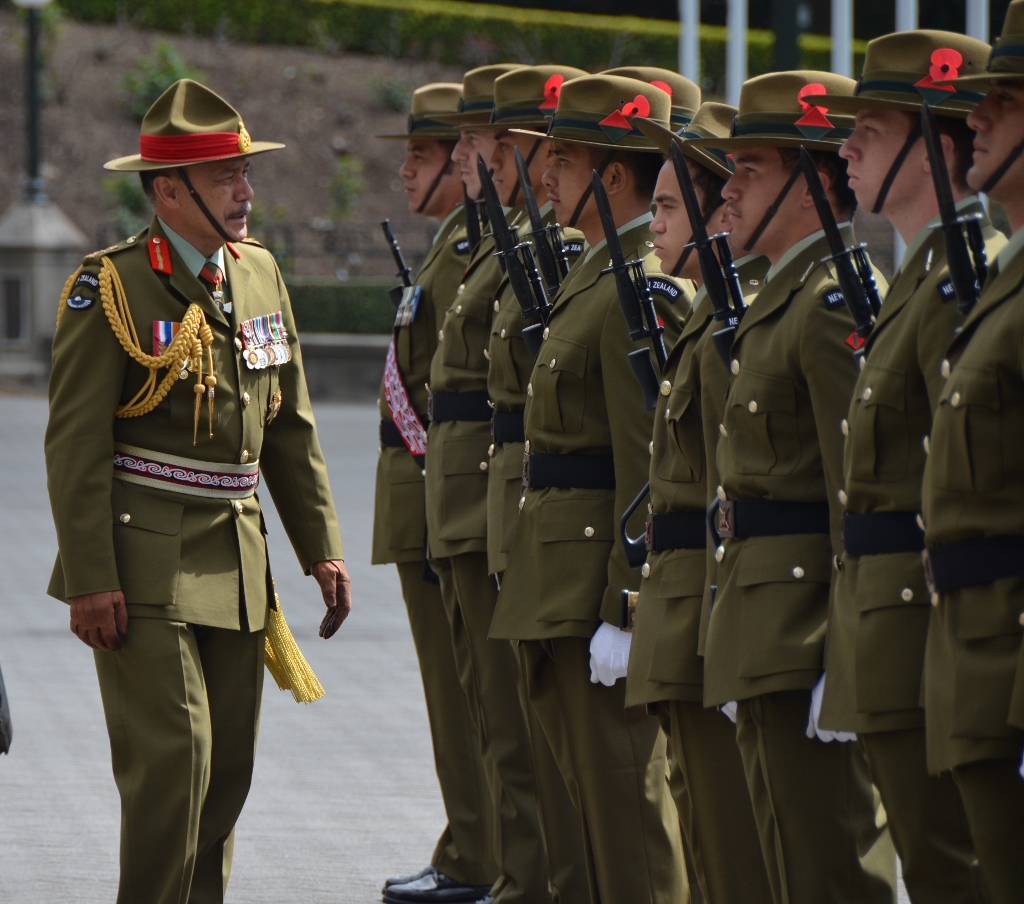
739,518
579,472
458,406
507,427
676,530
880,533
973,563
391,438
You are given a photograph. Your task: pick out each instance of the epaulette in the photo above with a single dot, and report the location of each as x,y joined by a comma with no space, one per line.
248,240
123,245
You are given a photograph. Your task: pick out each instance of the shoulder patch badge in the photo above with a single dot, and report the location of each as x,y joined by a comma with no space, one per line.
946,290
662,286
856,341
574,247
89,280
833,299
462,246
80,302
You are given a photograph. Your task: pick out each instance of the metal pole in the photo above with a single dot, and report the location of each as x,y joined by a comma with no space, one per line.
34,189
842,37
906,15
736,50
689,39
977,19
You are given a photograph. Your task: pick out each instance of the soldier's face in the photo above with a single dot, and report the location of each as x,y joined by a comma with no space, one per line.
424,159
998,122
225,190
759,177
869,152
671,224
568,175
470,146
503,163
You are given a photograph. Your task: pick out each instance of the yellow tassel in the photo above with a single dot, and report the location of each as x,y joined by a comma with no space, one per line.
285,661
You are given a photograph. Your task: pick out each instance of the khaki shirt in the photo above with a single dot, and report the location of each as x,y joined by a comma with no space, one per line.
178,556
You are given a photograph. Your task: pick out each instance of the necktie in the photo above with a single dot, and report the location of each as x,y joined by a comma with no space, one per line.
214,276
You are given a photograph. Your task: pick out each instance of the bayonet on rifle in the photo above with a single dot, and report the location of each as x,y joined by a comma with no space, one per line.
472,219
404,273
544,237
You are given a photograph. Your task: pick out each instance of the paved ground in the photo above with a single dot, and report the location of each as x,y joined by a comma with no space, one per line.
344,792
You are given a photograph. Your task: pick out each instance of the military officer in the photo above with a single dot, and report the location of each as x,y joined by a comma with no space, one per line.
456,484
779,459
463,860
585,428
177,379
665,668
972,504
879,617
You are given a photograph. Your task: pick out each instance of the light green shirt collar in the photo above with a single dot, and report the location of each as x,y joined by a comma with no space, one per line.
192,257
798,249
929,228
545,209
622,230
443,228
1010,250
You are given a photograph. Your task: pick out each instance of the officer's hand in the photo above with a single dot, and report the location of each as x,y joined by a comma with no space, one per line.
100,620
337,590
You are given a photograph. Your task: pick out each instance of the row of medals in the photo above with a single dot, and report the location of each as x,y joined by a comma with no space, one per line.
265,342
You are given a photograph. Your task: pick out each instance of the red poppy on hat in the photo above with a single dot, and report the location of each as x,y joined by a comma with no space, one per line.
814,124
616,124
945,64
552,88
665,86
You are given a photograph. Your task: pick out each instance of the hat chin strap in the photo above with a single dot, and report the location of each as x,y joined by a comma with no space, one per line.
1010,160
773,209
529,160
445,170
897,163
182,172
587,191
688,250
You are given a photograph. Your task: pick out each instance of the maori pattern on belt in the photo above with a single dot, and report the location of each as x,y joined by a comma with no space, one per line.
195,478
402,413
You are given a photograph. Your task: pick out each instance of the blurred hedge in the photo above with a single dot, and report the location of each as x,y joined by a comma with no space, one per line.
329,306
452,32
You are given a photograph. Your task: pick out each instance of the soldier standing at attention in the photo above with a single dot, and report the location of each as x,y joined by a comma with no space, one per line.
779,515
586,435
879,617
665,667
462,867
973,507
152,477
456,483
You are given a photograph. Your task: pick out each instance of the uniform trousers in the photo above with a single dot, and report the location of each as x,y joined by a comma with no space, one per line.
487,673
465,850
823,833
182,707
926,819
710,791
993,795
614,764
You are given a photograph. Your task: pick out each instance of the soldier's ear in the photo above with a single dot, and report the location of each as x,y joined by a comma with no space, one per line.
616,178
167,190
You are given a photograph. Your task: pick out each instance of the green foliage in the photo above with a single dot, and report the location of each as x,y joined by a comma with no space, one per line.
459,33
347,185
323,306
128,206
391,93
152,75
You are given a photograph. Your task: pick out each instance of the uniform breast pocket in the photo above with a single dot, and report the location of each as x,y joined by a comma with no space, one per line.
510,362
968,454
466,331
683,461
559,386
879,433
147,545
763,429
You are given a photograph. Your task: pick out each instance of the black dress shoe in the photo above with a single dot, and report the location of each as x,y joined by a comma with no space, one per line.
405,880
434,888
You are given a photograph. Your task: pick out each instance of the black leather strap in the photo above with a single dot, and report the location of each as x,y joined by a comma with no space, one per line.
676,530
458,406
972,563
880,533
739,518
1010,160
507,427
773,209
894,169
392,439
580,472
589,189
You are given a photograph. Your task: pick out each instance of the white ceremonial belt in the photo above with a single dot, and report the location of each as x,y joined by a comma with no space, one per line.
161,471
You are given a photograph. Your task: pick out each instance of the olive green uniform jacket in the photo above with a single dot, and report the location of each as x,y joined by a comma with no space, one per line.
663,661
399,518
792,376
177,556
879,617
974,487
511,365
567,568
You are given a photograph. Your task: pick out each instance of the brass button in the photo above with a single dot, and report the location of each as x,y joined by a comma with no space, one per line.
650,447
752,407
735,366
906,594
798,572
131,240
526,446
860,362
239,506
666,387
722,430
719,553
487,354
721,494
927,444
1020,618
866,394
522,502
460,289
668,413
244,457
238,343
836,564
920,522
547,332
944,368
497,306
844,425
483,466
842,497
502,333
125,518
646,570
551,363
490,450
423,473
529,390
440,335
588,532
954,399
245,398
935,599
458,309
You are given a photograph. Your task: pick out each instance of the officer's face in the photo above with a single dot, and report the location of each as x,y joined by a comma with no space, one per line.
998,122
869,153
568,175
470,146
758,178
424,159
503,163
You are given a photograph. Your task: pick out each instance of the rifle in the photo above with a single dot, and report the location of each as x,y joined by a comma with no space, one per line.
472,220
856,281
720,277
964,256
523,277
551,252
404,273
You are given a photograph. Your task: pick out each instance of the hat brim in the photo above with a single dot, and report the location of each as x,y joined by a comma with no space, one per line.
766,141
589,144
664,138
134,163
473,119
517,127
844,103
985,78
423,133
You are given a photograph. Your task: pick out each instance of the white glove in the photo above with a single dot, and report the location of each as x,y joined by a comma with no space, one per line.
729,711
609,654
813,728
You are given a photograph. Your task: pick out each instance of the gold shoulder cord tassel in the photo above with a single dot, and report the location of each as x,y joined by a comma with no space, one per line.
194,336
285,661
